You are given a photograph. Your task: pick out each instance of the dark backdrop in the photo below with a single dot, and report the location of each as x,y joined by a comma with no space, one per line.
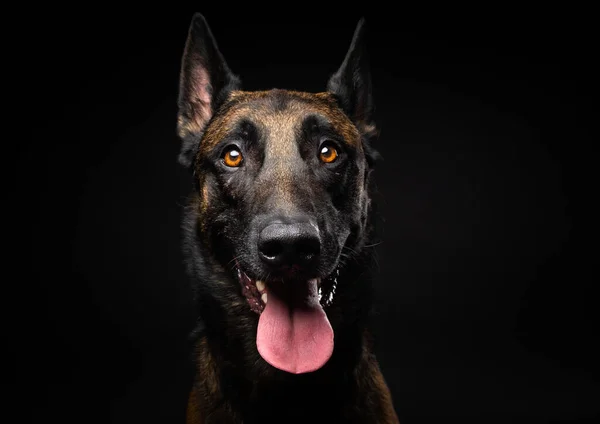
484,307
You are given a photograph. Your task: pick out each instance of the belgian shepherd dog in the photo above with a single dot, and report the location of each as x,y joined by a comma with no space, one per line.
277,238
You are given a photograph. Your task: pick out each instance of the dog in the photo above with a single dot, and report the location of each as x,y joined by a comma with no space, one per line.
276,238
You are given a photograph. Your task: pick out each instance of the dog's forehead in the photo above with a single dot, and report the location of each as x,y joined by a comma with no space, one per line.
279,110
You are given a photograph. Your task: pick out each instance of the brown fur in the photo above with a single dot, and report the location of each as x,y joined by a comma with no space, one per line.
280,123
206,404
256,106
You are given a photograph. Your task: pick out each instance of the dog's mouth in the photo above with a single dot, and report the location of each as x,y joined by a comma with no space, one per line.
255,291
294,333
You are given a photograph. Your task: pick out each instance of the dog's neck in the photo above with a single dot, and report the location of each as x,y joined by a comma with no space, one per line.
250,390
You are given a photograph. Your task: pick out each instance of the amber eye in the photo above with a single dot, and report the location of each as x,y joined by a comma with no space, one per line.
328,154
232,158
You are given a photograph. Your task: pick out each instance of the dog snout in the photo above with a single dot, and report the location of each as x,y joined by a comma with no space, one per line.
289,243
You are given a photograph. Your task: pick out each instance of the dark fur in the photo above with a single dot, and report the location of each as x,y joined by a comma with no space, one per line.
233,383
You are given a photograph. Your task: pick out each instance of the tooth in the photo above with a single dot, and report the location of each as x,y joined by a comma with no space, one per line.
260,285
264,298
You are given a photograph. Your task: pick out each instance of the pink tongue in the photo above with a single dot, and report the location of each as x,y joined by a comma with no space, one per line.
294,333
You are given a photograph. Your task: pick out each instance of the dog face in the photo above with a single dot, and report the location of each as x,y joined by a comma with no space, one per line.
282,181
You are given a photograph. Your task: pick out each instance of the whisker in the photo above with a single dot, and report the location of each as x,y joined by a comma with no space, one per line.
233,260
374,244
350,249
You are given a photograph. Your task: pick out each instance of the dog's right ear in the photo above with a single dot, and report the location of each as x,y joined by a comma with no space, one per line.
205,81
351,86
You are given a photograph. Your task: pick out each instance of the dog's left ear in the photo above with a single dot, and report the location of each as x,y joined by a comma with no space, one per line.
351,85
205,81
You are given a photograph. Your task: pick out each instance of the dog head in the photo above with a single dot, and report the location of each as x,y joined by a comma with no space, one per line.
282,180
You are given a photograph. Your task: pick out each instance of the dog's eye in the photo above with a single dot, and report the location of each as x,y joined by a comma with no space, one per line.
232,157
328,153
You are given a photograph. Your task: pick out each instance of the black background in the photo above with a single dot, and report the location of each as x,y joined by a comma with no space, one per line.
484,306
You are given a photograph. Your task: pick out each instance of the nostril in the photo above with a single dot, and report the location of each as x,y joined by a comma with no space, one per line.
307,247
271,248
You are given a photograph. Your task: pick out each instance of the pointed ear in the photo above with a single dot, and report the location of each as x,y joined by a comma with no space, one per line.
351,84
205,81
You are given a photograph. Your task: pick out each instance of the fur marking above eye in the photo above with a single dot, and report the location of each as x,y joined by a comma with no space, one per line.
232,158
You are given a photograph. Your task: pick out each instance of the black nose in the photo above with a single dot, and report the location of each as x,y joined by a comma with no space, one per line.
290,244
